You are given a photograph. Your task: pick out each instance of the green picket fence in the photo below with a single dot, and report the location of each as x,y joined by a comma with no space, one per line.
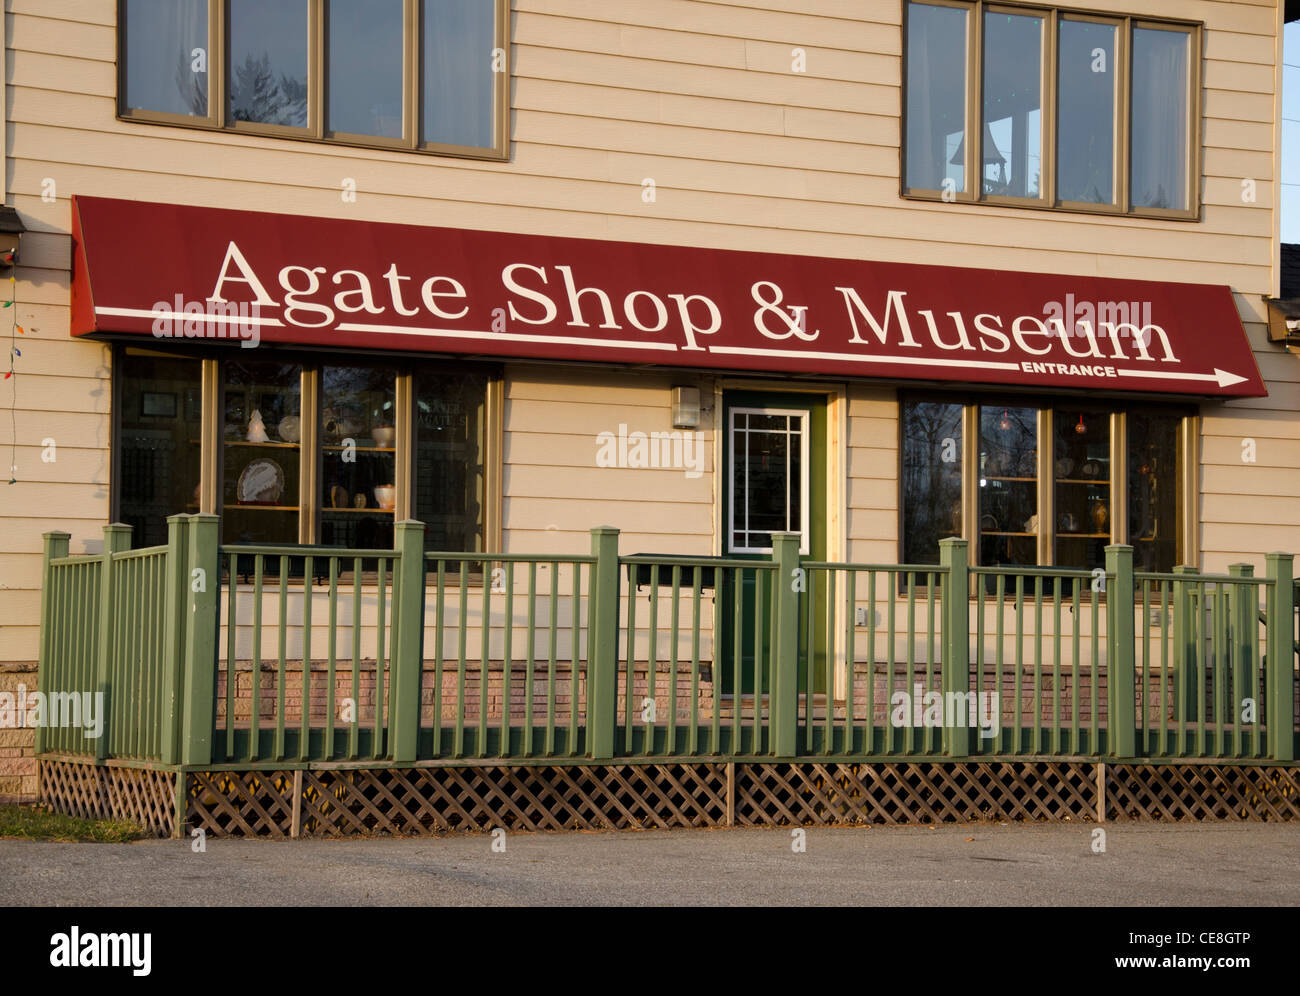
279,655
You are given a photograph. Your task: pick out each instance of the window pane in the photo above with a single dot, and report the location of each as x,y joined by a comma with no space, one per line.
358,456
1013,59
1082,476
1155,502
161,39
1160,134
932,449
1085,161
268,61
365,68
158,424
768,477
260,442
1008,491
458,81
450,458
936,97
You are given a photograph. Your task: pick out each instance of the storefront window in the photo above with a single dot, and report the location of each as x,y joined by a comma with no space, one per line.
932,468
261,434
358,437
450,458
1008,492
1155,501
160,416
1082,486
1009,524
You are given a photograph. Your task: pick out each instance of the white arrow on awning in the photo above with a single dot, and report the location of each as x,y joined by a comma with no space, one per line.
913,361
1220,377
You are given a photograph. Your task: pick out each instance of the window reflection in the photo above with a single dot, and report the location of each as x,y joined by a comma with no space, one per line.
936,97
458,77
365,68
1008,491
1155,505
166,56
268,61
1012,151
450,458
159,419
1160,118
1086,91
932,468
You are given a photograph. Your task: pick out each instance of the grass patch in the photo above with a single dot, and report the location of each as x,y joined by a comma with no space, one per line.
38,823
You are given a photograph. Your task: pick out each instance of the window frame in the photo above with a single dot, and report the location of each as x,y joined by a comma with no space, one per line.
973,194
316,129
1118,411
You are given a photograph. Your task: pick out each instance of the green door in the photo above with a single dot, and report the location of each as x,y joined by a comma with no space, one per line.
774,462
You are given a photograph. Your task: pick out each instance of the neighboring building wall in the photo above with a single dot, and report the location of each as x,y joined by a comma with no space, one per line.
745,154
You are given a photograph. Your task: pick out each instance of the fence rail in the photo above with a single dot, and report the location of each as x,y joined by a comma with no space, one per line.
283,655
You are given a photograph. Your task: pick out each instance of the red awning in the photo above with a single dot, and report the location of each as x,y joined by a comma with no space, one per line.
176,272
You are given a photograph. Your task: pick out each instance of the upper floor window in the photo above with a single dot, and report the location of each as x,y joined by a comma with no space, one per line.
424,75
1076,111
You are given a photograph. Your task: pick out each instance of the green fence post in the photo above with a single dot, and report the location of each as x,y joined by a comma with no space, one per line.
56,546
1279,678
784,681
199,667
955,643
117,538
1243,643
1121,668
178,579
602,662
1187,688
408,647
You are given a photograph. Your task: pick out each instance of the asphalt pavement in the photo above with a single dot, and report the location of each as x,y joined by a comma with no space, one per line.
987,865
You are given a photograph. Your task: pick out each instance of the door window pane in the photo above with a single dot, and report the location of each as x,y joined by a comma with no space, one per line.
268,61
1085,169
166,46
365,68
1013,59
1160,118
1008,491
1155,506
1082,487
260,446
932,464
457,78
358,435
769,464
451,458
159,419
936,96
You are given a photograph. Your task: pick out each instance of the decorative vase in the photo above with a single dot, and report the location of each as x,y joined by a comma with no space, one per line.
1099,516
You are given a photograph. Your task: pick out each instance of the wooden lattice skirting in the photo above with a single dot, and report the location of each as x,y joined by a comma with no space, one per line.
106,792
431,800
